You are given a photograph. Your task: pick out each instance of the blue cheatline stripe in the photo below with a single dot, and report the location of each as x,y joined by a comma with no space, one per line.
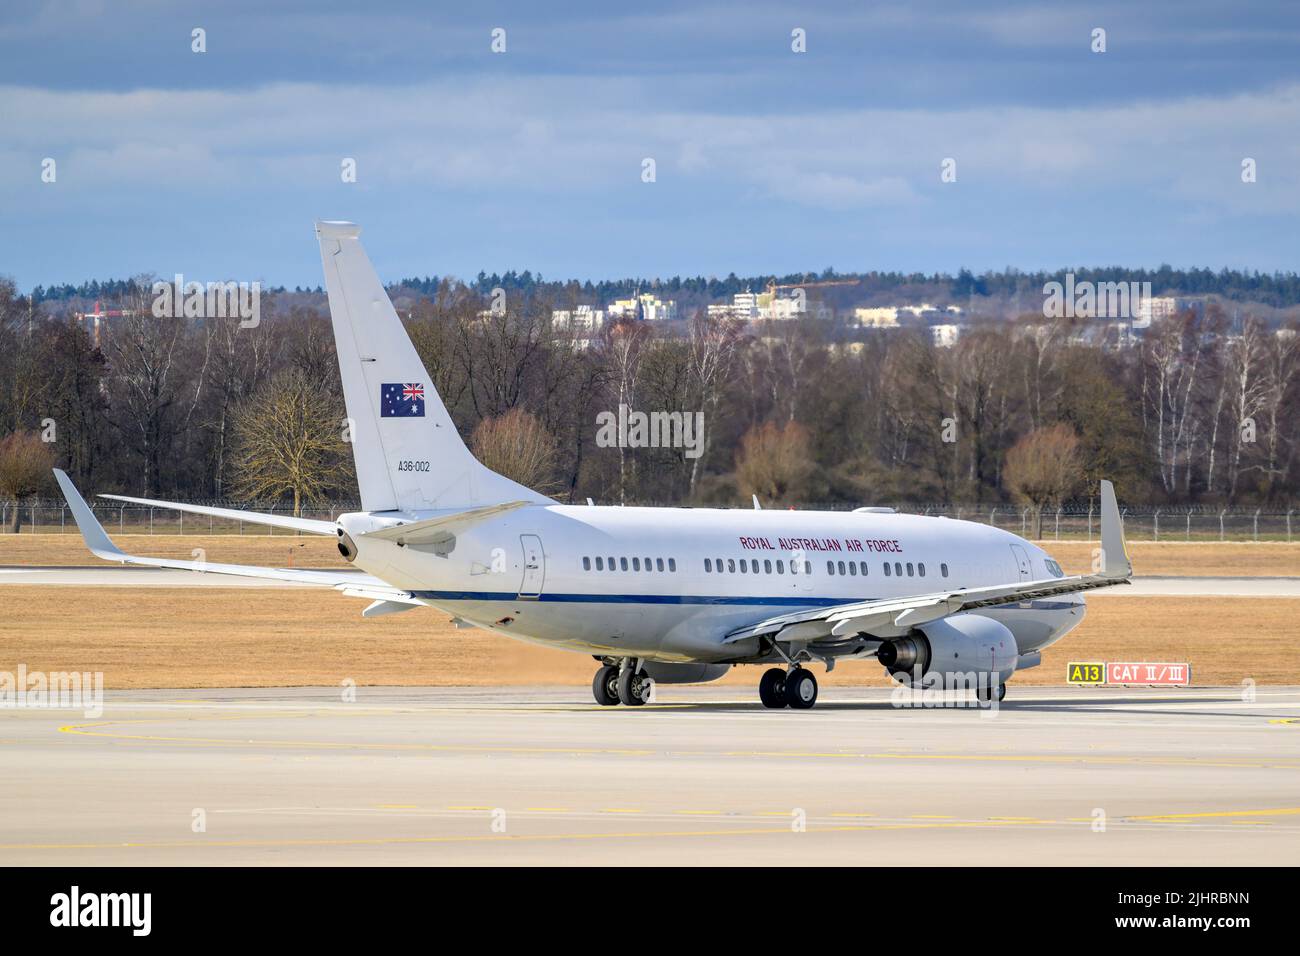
684,599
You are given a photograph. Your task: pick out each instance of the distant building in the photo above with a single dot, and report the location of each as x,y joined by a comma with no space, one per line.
883,317
1154,307
647,306
945,336
762,306
887,316
583,322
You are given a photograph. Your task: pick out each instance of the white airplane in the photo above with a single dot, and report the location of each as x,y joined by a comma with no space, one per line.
676,595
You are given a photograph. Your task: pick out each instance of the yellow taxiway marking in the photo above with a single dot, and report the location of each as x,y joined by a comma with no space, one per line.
1278,764
91,730
1286,720
1277,812
97,729
485,838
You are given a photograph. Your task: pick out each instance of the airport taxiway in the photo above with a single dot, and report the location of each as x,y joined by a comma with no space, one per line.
1107,776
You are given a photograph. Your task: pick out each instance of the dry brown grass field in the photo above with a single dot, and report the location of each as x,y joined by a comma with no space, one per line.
218,637
1233,558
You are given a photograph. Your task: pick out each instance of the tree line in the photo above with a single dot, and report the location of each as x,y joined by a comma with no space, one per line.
1202,409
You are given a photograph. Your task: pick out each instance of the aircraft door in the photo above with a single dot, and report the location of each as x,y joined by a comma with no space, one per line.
534,566
1022,562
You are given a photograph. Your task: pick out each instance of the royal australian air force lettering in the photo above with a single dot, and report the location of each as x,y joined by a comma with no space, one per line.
842,545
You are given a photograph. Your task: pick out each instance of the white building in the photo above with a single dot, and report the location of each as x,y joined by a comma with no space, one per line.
945,336
761,306
1154,307
647,306
583,323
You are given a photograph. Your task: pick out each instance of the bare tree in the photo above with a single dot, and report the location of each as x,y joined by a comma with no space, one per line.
517,445
1043,469
713,350
25,463
775,462
288,438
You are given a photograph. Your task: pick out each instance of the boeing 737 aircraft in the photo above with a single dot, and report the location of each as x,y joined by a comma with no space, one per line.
676,595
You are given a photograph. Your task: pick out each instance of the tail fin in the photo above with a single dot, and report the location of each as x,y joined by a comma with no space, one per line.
409,455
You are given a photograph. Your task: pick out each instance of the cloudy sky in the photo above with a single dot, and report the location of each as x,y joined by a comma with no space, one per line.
215,164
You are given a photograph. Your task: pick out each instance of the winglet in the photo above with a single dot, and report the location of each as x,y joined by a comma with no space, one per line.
1114,556
92,531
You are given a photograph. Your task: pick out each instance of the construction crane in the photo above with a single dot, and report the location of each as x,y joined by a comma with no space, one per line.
773,285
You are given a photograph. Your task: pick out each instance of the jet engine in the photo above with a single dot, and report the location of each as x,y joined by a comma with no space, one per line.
666,673
954,652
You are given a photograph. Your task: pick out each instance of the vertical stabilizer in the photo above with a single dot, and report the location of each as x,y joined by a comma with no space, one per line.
408,453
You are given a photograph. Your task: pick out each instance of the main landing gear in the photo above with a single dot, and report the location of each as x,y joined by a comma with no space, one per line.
795,688
621,684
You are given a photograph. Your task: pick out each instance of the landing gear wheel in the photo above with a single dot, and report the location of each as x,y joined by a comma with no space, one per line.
1002,692
633,688
771,688
988,693
604,686
800,689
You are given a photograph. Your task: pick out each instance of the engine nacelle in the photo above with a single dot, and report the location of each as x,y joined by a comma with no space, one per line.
667,673
957,651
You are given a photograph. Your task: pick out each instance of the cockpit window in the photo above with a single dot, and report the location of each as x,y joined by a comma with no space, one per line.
1053,568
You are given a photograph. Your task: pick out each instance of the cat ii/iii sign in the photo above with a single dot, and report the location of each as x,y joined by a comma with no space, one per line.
1134,672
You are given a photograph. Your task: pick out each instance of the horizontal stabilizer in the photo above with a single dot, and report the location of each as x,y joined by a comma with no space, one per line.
309,525
351,583
436,529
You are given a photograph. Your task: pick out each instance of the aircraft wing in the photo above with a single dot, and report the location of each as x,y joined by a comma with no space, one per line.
351,583
893,617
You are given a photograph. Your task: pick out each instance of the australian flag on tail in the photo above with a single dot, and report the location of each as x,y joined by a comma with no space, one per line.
401,400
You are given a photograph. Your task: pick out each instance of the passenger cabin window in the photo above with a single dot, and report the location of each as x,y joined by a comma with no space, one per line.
708,565
659,564
830,567
898,569
780,566
612,565
943,569
586,564
909,569
636,564
672,564
920,568
864,568
886,569
853,569
600,564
